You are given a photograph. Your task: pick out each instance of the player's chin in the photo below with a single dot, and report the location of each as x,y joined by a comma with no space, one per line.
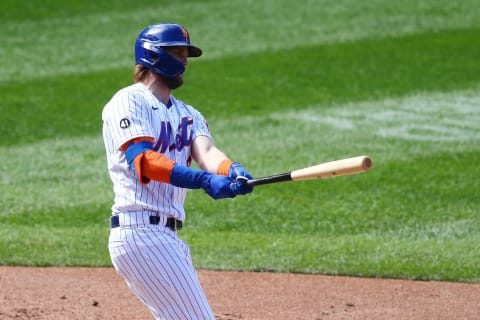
174,83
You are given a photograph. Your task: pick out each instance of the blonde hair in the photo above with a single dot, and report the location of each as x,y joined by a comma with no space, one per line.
140,73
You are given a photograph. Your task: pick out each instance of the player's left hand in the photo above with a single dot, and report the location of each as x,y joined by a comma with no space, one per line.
218,186
238,173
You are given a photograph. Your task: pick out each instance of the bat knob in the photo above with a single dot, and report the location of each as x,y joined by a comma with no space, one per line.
367,163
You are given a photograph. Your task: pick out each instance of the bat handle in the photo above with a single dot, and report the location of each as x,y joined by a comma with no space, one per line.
282,177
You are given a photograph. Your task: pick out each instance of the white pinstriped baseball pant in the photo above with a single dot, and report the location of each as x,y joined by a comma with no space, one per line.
157,267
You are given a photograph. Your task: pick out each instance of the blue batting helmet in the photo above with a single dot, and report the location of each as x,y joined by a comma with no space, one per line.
149,51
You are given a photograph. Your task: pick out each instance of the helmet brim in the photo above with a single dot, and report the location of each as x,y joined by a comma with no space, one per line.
194,51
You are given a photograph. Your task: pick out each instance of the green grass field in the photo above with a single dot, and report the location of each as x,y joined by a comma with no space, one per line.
283,86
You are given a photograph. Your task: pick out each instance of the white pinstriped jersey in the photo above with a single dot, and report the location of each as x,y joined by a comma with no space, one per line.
135,112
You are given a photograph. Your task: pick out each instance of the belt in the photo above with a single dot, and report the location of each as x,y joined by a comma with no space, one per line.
172,223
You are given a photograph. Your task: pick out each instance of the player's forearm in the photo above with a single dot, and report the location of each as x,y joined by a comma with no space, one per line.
212,160
207,155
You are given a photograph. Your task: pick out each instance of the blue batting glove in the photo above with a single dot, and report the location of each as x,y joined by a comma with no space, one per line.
240,186
238,173
218,186
237,170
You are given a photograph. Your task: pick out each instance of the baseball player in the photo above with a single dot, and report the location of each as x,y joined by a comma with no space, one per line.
151,139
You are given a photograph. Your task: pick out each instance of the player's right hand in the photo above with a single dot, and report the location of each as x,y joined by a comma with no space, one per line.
240,186
218,186
238,173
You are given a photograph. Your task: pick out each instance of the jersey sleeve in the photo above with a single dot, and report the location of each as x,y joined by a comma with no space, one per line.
200,125
127,116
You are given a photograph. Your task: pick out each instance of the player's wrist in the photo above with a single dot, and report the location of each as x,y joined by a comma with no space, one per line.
224,167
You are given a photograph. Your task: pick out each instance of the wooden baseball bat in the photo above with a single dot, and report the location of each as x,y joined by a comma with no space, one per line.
323,170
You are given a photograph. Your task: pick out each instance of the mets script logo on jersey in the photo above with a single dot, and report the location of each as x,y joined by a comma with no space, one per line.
183,137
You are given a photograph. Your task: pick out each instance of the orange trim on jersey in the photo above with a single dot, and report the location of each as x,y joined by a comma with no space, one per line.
135,140
151,165
224,167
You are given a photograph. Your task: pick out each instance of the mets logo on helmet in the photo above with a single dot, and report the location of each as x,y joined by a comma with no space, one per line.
185,34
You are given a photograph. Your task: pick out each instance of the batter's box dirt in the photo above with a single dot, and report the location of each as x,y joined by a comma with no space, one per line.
23,313
229,316
99,293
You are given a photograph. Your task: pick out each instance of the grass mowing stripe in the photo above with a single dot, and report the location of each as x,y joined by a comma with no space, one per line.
434,117
342,255
59,107
277,25
329,74
41,245
54,175
55,9
324,75
395,128
416,196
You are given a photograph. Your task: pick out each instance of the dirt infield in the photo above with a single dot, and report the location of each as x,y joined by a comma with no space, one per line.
98,293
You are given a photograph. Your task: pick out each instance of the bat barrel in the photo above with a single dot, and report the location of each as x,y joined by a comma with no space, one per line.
334,168
324,170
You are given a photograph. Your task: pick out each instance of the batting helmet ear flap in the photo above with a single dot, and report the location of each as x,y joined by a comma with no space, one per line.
157,59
